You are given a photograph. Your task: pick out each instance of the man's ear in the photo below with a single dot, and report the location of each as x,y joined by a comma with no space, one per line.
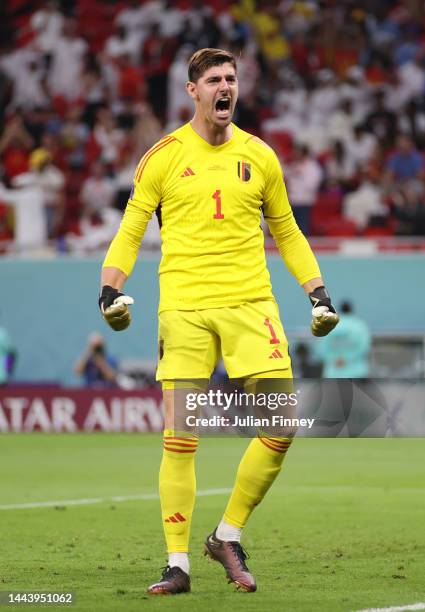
192,90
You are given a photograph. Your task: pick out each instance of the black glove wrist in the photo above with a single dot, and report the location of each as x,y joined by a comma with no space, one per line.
107,297
320,297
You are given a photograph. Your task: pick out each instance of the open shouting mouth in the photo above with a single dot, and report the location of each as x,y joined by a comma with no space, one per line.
223,107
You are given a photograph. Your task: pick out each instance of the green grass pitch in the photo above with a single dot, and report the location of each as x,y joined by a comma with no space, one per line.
342,529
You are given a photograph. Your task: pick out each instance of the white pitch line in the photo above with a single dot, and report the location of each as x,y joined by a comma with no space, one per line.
148,496
100,500
417,606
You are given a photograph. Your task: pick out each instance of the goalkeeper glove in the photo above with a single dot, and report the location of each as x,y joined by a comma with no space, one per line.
325,317
114,308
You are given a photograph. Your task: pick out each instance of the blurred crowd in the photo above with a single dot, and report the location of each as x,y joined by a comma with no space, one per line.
88,86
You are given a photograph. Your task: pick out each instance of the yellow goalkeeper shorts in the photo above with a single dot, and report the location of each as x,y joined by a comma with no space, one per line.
249,337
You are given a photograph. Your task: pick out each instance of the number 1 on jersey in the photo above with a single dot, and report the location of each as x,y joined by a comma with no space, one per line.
217,197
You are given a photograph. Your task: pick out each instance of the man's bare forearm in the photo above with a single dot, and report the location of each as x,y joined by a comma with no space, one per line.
312,284
114,277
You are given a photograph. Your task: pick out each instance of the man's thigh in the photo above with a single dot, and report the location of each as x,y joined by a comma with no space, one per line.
188,348
252,339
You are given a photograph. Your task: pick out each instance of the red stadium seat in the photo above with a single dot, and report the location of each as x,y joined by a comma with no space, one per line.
281,142
371,232
338,226
326,208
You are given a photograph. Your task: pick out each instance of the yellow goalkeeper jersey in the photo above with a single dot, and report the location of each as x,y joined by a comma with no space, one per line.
209,201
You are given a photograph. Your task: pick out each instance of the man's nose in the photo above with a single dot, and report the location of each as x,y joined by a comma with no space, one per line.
224,85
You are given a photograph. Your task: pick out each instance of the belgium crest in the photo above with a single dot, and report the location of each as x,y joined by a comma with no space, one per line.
244,171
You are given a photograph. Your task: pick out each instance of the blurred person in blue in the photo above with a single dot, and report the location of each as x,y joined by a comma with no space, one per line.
97,367
345,353
7,357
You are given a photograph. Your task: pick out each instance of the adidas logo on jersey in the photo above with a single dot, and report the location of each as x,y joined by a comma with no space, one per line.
175,518
188,172
276,355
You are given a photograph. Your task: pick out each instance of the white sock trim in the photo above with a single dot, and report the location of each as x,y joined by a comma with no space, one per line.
179,559
228,533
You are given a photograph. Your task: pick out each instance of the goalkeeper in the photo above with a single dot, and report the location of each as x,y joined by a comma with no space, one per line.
209,183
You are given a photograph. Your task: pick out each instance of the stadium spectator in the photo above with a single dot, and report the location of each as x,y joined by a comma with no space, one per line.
409,209
136,19
380,121
67,63
47,24
340,124
361,146
50,181
171,19
303,176
345,352
412,78
324,98
6,91
405,163
288,122
29,215
121,43
96,366
365,202
196,14
147,130
177,77
411,122
97,191
304,364
156,57
130,85
339,166
94,91
74,133
107,137
15,146
29,83
273,45
292,98
355,88
7,357
93,235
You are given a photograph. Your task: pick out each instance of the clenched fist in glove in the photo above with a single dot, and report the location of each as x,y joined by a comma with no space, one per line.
325,317
114,308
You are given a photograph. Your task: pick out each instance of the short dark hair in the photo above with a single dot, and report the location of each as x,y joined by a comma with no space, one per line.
204,59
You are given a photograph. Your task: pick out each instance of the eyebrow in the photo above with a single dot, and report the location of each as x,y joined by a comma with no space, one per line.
218,77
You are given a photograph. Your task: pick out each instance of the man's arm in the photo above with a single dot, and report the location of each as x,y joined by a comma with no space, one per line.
296,251
313,284
118,264
107,371
114,277
81,363
113,303
123,251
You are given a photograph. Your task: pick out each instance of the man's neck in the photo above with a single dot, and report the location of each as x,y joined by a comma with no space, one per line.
215,136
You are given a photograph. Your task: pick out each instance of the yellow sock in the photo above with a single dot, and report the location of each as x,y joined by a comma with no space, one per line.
257,470
177,488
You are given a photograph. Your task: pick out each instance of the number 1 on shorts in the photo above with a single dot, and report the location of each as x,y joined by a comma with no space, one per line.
274,339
